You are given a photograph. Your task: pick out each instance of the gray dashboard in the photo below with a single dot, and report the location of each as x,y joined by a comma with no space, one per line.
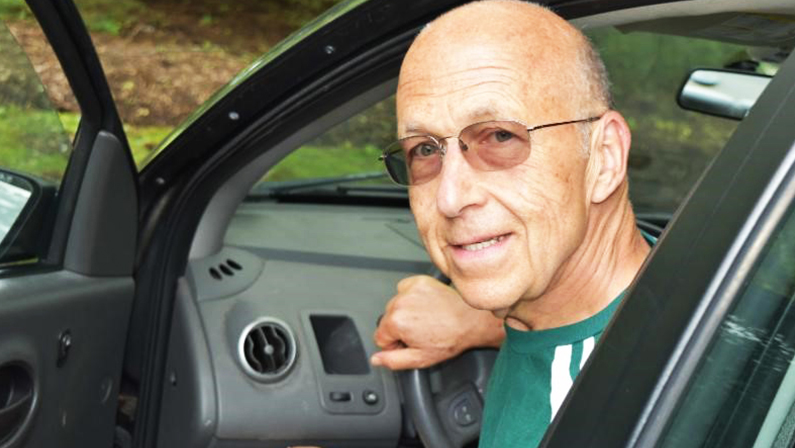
319,274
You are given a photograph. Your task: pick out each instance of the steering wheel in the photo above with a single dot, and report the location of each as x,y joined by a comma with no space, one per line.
449,415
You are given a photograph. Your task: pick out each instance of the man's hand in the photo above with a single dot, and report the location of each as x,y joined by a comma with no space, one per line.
428,322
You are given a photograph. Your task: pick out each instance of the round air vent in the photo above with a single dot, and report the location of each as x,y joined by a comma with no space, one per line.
267,349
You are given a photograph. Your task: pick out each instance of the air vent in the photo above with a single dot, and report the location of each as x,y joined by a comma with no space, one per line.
225,269
267,349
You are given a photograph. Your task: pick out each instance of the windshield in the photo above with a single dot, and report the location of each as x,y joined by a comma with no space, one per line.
671,146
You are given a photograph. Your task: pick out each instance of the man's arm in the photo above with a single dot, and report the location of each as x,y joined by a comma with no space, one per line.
428,322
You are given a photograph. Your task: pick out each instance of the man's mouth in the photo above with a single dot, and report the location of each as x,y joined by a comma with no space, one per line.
482,244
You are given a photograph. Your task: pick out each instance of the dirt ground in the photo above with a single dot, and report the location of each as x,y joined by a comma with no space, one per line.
168,59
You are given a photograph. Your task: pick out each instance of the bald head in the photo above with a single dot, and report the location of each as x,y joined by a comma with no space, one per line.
516,221
559,68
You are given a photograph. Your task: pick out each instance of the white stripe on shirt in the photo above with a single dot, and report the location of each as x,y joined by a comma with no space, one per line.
587,348
560,381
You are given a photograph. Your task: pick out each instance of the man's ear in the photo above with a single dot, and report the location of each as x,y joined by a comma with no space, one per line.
610,149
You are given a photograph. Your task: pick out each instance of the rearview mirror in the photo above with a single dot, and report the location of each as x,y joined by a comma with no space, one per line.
724,93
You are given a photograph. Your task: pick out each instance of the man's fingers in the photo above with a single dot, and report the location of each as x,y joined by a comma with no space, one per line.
402,359
385,336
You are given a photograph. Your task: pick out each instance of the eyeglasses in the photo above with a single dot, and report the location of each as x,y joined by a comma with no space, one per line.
486,146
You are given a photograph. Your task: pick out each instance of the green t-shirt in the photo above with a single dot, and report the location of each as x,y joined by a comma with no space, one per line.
533,373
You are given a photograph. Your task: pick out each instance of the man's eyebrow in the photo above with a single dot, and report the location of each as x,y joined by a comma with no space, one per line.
415,129
483,113
477,115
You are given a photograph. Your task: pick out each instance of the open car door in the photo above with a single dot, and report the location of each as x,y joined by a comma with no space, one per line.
68,223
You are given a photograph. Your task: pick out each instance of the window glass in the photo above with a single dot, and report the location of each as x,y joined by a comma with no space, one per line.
35,140
350,148
743,393
671,147
32,138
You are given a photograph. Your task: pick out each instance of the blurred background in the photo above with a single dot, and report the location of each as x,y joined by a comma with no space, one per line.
163,58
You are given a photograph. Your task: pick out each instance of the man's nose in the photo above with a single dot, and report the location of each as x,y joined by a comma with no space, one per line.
458,186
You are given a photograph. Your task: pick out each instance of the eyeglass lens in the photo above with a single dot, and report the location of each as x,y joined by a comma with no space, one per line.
488,146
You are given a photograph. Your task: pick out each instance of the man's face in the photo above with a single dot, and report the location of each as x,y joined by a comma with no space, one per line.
501,236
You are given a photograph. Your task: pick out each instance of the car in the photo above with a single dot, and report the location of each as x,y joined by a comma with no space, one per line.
219,298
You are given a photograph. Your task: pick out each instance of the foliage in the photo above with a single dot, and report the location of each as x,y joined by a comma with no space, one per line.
33,141
375,126
112,16
671,147
142,139
19,83
298,12
13,10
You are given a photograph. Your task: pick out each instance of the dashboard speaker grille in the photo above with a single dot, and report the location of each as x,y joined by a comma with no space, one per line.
268,350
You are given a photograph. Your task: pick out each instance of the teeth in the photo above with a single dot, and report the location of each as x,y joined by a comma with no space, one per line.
483,244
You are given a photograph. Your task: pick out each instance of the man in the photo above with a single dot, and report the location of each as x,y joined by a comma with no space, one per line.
527,211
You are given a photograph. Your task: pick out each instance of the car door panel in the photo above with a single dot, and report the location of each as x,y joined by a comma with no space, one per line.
67,328
74,393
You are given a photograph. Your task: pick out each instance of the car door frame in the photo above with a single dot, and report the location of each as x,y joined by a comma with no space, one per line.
63,319
64,28
687,285
298,81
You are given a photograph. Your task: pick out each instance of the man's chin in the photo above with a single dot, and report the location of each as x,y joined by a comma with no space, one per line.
487,299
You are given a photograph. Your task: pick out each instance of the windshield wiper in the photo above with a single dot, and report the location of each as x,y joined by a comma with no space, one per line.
279,189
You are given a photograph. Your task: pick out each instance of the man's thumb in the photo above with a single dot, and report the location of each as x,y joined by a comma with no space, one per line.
401,359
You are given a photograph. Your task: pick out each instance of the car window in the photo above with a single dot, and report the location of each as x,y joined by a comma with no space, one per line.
35,145
32,137
743,393
352,147
671,147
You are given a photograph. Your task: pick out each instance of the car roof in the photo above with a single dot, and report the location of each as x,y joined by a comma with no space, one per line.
761,23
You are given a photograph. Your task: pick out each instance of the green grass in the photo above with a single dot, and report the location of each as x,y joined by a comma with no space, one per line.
14,10
27,143
311,161
33,141
143,139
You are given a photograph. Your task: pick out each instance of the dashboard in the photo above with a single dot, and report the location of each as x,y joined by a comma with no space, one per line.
273,333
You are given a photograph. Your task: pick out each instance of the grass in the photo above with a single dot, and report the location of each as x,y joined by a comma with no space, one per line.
311,161
36,141
143,139
33,141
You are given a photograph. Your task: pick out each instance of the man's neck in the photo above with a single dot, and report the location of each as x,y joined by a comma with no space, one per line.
601,268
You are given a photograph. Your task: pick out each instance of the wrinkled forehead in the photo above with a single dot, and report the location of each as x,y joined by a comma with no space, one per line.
448,86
